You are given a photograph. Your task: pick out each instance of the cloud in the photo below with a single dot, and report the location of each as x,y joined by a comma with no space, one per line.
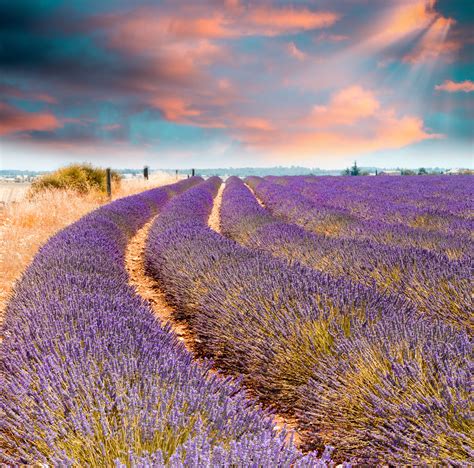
9,91
331,37
452,87
273,21
112,127
352,122
148,26
406,18
346,107
411,31
433,44
253,124
15,120
295,52
174,108
230,71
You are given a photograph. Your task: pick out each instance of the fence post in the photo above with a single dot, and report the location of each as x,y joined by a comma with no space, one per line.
108,174
192,172
145,172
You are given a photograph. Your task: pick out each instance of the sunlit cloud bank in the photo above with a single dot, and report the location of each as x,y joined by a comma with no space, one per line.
452,87
239,81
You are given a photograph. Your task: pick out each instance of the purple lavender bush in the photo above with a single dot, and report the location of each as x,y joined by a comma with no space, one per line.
90,377
433,283
287,329
321,215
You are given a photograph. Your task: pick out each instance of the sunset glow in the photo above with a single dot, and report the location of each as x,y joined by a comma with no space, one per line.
236,83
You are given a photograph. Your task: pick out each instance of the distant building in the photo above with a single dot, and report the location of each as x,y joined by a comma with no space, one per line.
390,173
456,171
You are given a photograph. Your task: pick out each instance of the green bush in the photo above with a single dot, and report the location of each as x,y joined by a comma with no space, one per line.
82,178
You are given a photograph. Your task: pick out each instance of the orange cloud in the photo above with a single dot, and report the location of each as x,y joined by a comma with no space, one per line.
408,20
433,44
149,26
15,120
174,108
273,21
390,133
353,122
345,107
253,123
452,87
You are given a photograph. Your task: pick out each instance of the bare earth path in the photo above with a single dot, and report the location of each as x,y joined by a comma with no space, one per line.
150,290
214,221
215,224
260,202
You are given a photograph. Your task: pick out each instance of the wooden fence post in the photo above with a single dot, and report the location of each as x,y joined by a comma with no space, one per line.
145,172
108,174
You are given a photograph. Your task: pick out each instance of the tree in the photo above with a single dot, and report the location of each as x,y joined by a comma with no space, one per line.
355,171
422,171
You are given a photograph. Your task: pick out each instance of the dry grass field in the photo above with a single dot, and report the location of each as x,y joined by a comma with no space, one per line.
12,192
26,223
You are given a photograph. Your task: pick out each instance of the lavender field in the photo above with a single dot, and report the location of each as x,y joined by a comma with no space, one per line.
339,307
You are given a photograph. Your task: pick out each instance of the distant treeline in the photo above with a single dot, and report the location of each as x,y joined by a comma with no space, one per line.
258,171
241,171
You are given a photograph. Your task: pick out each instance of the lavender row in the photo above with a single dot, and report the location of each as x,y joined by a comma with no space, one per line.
288,204
90,377
446,200
353,366
431,282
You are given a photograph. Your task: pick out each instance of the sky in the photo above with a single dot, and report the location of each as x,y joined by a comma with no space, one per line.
179,84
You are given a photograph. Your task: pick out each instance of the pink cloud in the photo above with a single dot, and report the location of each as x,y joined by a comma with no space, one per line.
452,87
295,52
15,120
112,127
14,92
43,97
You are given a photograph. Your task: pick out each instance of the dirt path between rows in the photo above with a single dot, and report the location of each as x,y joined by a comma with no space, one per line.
260,202
150,290
214,221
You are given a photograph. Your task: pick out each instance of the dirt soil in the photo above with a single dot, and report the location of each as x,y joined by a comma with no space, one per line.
215,217
152,292
148,288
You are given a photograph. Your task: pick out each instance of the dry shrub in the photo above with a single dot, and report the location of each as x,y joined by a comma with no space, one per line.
81,178
26,225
